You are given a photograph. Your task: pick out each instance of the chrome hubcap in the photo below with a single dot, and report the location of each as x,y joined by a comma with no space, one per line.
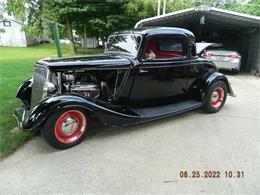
217,97
69,126
214,96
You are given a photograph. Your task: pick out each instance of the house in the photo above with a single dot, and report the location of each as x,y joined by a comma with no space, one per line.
11,30
89,42
12,33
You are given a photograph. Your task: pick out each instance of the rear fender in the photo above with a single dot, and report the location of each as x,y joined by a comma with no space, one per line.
213,77
203,85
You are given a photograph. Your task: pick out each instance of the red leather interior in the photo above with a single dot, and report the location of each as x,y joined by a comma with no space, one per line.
168,54
152,45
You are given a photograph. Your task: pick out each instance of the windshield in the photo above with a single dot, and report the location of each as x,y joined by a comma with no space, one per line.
127,43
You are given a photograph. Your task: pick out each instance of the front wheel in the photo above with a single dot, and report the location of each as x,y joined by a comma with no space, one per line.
65,128
215,97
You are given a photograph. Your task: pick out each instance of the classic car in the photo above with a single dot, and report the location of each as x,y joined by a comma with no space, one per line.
144,74
224,59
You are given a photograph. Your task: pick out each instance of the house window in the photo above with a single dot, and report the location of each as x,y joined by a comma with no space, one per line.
7,23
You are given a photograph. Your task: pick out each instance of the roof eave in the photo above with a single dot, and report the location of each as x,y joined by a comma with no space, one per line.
198,9
163,16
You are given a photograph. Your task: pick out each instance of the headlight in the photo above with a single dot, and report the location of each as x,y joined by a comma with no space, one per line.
48,88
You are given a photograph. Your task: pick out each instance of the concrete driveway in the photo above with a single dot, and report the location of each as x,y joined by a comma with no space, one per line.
147,159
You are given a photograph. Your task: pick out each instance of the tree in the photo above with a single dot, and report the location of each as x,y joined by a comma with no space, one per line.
253,7
28,12
140,9
176,5
101,21
101,17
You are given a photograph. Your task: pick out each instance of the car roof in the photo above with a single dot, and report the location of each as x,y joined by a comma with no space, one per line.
157,30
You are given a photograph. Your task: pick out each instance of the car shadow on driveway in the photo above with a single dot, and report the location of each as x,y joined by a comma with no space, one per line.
114,131
97,131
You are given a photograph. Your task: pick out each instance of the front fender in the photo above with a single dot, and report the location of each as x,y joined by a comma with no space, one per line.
24,92
105,114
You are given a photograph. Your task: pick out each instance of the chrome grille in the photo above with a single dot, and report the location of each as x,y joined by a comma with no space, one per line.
40,75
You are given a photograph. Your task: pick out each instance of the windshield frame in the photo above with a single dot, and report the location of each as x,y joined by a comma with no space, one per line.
130,33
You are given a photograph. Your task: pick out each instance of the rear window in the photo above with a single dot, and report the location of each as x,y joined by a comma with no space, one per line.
171,45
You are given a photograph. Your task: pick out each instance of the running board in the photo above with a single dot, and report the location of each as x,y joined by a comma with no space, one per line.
163,111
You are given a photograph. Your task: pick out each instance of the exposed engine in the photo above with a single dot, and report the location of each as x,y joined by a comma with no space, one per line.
82,83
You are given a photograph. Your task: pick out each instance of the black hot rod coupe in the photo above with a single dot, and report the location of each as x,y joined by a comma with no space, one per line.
144,74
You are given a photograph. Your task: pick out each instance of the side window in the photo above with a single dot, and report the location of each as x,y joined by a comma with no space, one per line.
165,48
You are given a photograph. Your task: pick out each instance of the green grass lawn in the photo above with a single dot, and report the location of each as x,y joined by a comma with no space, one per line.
17,64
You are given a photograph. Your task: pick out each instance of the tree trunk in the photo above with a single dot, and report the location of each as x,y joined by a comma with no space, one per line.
85,38
70,35
97,40
103,40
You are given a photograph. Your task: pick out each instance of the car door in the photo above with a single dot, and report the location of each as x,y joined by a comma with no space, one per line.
160,78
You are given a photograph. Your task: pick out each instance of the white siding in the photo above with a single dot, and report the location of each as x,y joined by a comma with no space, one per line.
89,43
12,36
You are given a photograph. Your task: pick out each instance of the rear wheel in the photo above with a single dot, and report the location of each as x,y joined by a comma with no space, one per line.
215,98
66,128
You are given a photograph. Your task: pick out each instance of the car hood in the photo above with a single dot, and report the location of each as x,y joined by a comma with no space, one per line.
102,61
201,46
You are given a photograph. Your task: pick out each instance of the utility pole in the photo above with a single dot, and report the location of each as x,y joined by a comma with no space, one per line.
159,8
57,38
164,6
55,29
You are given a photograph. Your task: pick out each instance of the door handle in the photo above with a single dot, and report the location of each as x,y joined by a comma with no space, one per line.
196,69
143,71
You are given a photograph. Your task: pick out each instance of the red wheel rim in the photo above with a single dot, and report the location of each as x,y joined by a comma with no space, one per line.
70,126
217,97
